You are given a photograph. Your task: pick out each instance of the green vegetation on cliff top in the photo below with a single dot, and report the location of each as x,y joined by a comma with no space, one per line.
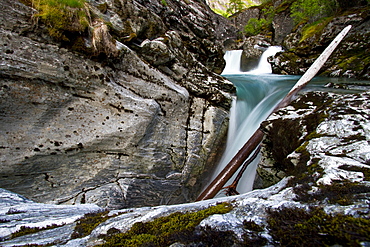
62,16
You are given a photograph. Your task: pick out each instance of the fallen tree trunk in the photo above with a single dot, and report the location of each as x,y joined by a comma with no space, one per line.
218,183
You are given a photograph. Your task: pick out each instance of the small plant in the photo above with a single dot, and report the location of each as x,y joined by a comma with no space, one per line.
62,16
235,6
255,26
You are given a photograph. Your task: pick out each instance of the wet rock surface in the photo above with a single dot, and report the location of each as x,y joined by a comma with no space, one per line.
324,131
132,125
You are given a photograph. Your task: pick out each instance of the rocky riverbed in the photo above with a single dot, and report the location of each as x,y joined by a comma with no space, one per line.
322,177
118,132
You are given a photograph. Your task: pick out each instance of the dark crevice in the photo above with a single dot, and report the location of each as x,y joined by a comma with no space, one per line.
83,96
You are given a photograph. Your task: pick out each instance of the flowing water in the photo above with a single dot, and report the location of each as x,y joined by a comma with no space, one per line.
258,92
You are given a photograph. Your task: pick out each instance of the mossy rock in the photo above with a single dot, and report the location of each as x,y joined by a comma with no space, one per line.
88,223
314,227
164,231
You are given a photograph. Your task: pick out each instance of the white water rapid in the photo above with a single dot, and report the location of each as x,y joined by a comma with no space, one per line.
264,66
256,97
258,91
233,59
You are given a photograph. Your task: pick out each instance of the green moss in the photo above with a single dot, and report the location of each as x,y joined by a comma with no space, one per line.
364,170
165,230
24,230
302,148
341,193
88,223
314,29
62,16
356,60
299,227
253,236
251,225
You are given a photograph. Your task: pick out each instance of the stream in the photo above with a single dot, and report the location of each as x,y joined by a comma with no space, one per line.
258,92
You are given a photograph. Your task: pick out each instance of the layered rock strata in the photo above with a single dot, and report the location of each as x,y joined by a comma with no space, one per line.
139,126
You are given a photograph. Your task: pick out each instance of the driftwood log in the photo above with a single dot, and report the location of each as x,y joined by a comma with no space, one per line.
238,160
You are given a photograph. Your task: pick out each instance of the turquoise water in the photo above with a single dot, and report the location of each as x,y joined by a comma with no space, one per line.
257,95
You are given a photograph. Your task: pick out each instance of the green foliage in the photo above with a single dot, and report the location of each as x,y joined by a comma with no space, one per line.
224,13
299,227
315,28
235,6
88,223
62,16
255,26
311,10
165,230
164,2
24,230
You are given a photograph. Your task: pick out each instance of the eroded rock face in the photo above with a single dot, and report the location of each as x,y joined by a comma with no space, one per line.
320,145
140,128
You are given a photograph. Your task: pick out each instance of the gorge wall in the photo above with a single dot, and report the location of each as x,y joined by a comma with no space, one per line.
130,123
303,42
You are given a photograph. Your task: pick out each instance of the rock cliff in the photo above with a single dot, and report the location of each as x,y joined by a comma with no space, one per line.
130,116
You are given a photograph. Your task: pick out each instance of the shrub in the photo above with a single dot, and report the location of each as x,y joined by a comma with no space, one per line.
88,223
255,26
235,6
62,16
312,10
24,230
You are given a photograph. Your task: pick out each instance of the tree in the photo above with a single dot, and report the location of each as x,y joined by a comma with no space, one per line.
312,10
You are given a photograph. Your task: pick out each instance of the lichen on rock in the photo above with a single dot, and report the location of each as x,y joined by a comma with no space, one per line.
330,135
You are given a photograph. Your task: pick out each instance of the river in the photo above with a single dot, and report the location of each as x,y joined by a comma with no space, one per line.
258,92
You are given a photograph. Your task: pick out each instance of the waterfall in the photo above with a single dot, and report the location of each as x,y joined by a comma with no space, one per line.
233,59
257,95
264,66
258,92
